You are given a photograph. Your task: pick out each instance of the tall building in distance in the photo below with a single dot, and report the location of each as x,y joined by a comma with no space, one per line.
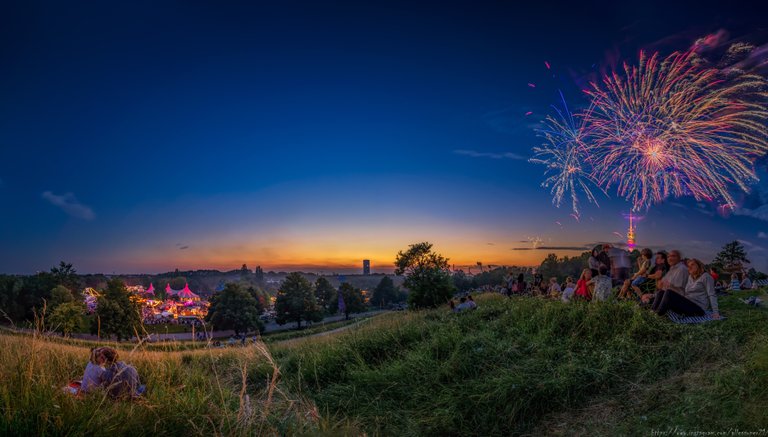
366,267
631,234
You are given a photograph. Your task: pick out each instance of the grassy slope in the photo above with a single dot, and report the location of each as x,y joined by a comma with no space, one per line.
520,366
527,366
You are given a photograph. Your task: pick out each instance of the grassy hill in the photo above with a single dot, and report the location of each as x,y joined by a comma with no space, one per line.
513,366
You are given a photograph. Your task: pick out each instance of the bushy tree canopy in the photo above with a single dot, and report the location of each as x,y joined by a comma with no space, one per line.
66,317
325,295
235,308
732,257
116,313
426,275
296,301
353,299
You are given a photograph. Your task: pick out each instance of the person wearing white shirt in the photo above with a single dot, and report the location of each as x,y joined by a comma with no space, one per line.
697,296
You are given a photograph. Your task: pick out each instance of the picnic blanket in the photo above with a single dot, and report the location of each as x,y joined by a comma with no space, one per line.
688,320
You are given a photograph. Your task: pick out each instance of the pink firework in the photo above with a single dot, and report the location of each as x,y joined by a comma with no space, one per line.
670,127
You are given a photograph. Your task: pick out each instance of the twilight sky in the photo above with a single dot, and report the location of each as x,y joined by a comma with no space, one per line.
147,136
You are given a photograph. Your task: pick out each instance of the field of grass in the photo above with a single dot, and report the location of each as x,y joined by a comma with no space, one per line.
520,366
528,366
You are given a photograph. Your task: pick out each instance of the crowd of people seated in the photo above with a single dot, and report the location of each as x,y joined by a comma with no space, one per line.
662,282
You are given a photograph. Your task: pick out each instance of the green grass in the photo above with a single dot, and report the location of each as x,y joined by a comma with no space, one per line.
527,365
522,366
273,337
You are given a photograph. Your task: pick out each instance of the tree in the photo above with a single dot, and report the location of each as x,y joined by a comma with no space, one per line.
257,293
116,313
325,295
296,301
426,275
59,295
66,275
384,293
732,257
178,282
353,299
66,317
235,308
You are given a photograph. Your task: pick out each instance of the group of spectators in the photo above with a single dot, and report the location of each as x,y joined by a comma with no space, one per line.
465,304
663,282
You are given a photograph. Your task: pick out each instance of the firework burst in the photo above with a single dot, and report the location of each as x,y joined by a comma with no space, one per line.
566,157
670,127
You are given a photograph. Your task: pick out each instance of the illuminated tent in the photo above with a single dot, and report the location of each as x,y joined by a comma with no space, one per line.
150,290
186,293
170,291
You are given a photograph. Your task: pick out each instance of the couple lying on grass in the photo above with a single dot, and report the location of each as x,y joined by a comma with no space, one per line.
104,371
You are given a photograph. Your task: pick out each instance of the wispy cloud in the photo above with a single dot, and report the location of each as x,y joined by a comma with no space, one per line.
760,213
762,234
183,247
69,204
582,248
492,155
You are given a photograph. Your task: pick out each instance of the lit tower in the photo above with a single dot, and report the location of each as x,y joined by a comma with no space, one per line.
631,234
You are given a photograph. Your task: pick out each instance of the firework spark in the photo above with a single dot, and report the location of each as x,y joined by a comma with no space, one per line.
671,127
566,156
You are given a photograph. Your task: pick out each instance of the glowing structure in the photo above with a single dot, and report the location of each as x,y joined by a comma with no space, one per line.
631,235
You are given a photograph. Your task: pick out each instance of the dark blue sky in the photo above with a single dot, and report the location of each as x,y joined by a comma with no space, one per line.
147,136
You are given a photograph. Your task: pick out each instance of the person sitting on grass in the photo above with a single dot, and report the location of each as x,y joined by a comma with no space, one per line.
735,283
452,305
519,286
643,269
120,379
583,286
603,285
471,302
697,296
93,376
94,373
657,272
569,285
554,288
746,284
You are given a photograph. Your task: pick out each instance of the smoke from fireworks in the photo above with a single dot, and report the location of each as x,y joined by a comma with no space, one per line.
666,127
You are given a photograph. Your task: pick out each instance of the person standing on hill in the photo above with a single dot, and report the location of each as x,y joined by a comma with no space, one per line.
619,265
594,262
